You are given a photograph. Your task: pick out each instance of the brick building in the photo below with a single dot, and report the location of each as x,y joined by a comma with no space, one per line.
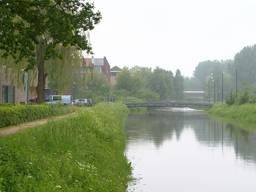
100,65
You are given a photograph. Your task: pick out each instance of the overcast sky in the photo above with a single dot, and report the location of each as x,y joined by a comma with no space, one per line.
172,33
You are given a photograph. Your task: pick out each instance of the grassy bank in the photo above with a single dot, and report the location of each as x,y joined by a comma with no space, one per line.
80,154
16,114
245,114
139,110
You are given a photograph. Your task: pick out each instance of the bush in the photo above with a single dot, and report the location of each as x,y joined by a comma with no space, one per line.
243,97
16,114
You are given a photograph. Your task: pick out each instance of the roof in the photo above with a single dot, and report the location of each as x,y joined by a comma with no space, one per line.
95,61
115,69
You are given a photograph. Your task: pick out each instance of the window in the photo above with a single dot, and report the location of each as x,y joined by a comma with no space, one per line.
8,93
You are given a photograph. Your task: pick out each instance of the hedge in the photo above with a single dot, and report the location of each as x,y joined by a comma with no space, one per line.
16,114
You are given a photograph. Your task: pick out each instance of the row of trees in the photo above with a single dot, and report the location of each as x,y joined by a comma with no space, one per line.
147,84
235,76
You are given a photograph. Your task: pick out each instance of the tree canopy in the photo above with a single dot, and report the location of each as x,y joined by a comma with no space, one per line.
31,30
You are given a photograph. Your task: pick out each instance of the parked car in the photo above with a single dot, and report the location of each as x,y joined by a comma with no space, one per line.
56,99
82,102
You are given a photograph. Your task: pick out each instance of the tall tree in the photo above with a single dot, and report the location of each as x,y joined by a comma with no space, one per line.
161,82
62,72
178,85
125,81
245,64
32,29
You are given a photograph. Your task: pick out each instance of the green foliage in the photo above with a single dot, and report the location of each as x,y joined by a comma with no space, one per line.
91,85
63,71
149,85
230,100
161,82
25,23
13,115
242,97
125,81
178,84
84,153
245,64
241,113
31,31
147,94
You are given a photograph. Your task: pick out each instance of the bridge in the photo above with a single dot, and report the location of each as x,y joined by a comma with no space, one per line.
176,104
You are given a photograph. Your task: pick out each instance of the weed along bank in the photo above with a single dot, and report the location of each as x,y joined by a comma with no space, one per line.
81,153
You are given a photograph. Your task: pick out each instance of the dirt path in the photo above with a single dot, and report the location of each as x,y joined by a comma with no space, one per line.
14,129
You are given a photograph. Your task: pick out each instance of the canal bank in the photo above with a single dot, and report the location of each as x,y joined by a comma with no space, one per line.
81,153
244,116
187,150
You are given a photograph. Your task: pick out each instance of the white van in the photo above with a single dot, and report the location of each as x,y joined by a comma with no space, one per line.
65,99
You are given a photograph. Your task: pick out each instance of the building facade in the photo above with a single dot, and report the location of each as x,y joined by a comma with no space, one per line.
10,92
100,65
114,71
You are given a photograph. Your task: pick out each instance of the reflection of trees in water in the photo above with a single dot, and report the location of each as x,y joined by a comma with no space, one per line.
161,126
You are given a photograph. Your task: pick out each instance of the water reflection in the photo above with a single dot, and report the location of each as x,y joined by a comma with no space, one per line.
174,136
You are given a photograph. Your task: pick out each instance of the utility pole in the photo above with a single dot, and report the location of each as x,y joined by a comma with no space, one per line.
214,92
26,86
236,82
209,90
222,87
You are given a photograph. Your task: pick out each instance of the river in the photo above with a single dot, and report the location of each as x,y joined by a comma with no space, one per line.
188,151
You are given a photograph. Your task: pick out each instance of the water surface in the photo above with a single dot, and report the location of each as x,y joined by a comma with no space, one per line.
187,151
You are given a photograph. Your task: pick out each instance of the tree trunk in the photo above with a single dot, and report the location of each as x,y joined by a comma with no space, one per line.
40,49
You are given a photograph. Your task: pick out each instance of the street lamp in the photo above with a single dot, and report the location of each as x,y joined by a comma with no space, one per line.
26,86
213,80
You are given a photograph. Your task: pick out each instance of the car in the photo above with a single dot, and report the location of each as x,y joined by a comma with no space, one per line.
60,99
81,102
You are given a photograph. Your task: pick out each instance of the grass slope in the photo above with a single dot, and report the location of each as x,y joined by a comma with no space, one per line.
82,153
242,113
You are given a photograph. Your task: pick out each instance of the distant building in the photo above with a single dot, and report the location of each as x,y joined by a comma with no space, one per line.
198,96
114,71
100,65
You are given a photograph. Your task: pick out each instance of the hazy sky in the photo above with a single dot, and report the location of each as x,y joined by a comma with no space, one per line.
173,33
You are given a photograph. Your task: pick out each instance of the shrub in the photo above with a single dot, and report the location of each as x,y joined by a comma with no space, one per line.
243,97
16,114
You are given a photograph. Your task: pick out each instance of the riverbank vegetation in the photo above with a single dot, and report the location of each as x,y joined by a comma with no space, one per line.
82,153
244,114
16,114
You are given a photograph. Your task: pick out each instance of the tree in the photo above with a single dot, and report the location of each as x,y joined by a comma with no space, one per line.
245,64
31,30
88,87
205,68
161,82
178,85
125,81
62,72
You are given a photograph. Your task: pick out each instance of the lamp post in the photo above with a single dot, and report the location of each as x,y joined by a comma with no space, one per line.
214,87
26,88
222,87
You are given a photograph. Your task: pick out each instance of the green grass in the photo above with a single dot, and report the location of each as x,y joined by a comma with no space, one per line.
79,154
240,114
16,114
139,110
